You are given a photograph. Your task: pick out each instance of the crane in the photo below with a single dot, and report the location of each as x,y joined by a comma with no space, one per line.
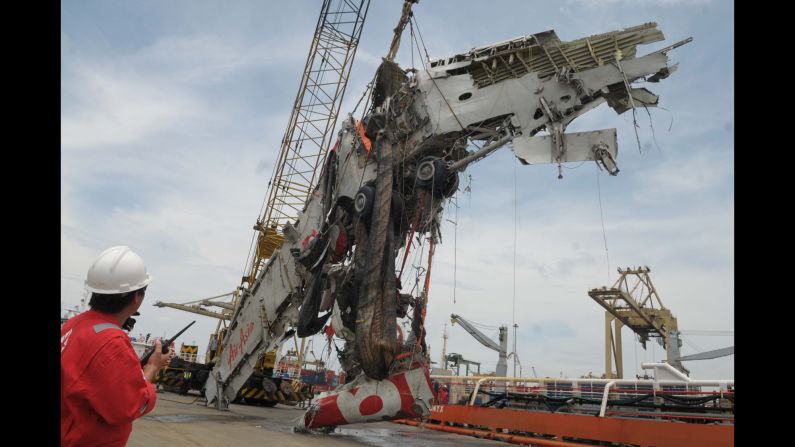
387,180
706,355
639,307
303,148
198,306
308,136
502,348
444,347
516,360
456,360
224,315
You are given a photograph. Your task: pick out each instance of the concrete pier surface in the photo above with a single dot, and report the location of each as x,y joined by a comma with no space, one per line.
186,421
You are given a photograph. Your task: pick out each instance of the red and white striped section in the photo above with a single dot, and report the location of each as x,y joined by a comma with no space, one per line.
404,395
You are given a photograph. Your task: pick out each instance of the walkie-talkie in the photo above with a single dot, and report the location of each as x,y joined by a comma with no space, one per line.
165,345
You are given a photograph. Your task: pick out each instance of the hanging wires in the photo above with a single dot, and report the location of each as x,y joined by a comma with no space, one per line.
455,247
692,344
454,201
602,216
413,43
651,125
484,326
452,112
514,161
368,91
428,58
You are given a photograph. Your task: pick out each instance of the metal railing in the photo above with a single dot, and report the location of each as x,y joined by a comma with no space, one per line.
665,385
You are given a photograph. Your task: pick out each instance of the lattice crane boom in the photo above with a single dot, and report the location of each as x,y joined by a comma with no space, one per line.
308,136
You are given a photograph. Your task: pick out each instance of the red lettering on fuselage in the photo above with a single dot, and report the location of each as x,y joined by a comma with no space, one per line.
236,347
305,242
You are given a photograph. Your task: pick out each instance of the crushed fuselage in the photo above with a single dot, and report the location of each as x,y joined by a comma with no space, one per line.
388,177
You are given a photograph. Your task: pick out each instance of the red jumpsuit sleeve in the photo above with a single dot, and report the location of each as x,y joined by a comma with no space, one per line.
120,393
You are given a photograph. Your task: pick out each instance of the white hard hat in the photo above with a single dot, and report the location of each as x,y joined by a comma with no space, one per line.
117,270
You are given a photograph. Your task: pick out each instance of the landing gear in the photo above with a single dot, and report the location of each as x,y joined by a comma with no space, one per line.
433,175
363,203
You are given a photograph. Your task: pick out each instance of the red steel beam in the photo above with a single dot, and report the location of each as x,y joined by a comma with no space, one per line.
515,439
630,431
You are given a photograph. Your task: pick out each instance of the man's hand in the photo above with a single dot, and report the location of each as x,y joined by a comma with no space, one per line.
157,361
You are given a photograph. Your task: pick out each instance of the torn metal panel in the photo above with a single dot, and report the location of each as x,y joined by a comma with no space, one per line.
407,394
597,78
619,101
454,103
580,146
544,53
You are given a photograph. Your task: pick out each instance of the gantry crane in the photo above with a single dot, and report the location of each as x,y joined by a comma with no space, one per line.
456,360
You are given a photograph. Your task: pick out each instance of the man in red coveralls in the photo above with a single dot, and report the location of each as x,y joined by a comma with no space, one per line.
103,387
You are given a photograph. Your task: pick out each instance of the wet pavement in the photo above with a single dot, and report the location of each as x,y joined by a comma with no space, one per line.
185,420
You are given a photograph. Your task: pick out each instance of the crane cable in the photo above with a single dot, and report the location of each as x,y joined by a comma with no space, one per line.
602,216
515,224
455,247
452,112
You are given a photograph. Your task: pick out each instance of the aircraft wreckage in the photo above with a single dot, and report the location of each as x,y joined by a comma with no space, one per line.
386,181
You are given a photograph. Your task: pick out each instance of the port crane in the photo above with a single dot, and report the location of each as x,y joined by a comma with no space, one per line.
633,301
501,348
707,355
200,306
456,360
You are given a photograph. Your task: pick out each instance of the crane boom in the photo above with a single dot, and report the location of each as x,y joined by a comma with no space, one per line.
308,136
256,326
479,336
715,353
502,348
195,309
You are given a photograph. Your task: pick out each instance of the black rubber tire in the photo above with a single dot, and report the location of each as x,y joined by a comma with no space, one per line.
269,385
437,184
364,200
424,183
451,186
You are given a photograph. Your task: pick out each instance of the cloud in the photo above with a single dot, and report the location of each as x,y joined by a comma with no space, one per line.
114,109
202,59
700,170
598,4
169,137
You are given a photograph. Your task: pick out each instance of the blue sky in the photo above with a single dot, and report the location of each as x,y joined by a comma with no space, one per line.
171,119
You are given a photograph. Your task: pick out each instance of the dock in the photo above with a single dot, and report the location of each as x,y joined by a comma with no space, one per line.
185,420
